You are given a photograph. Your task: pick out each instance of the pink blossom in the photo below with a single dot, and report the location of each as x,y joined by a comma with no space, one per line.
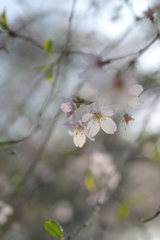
94,70
133,93
78,130
99,117
68,106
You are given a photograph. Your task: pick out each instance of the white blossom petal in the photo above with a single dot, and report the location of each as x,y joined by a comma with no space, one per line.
85,74
96,106
91,138
79,139
91,59
135,90
87,117
108,111
135,102
93,128
108,125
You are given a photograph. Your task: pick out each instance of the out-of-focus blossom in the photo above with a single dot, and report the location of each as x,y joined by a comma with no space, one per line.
133,93
99,117
114,181
94,71
63,211
5,211
68,106
130,96
101,165
79,132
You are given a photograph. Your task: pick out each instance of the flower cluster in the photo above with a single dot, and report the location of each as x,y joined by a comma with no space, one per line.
87,117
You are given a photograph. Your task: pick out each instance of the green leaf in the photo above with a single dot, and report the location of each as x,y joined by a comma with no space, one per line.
156,154
48,47
90,183
49,73
47,70
4,21
54,229
123,211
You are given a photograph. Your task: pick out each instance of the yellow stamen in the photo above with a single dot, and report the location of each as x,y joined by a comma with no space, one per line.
98,116
79,129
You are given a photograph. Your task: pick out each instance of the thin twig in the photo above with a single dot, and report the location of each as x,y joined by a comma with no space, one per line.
70,23
152,217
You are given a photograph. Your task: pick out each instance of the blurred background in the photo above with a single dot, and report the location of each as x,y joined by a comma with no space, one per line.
43,175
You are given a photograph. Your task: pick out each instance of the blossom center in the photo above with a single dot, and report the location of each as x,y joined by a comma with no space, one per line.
79,129
98,116
127,119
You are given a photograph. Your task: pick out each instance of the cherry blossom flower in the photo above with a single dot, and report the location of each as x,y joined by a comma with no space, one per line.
133,93
68,106
101,165
78,130
127,119
99,117
94,71
5,211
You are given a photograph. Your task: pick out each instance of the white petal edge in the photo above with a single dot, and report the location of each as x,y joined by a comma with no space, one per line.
87,118
108,111
96,106
92,128
134,102
135,90
108,125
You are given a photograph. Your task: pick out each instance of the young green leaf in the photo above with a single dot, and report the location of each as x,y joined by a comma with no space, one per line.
49,73
47,70
123,211
3,21
48,47
54,229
